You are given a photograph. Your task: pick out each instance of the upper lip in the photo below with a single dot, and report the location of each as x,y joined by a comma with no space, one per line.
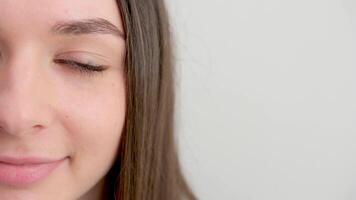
26,160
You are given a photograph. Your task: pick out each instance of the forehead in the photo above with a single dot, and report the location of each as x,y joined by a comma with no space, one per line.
39,15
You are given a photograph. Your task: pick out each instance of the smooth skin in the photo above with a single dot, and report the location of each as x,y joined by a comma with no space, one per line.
52,109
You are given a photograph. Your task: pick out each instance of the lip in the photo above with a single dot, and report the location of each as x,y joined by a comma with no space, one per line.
15,171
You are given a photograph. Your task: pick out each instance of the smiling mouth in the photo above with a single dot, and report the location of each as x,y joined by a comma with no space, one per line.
25,171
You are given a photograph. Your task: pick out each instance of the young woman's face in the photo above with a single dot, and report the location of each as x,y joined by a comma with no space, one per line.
60,123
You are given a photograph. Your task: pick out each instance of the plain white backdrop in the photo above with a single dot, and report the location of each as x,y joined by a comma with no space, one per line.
267,98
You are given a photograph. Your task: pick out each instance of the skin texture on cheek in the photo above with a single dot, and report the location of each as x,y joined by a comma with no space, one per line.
97,130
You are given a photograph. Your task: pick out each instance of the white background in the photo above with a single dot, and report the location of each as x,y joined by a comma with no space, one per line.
267,98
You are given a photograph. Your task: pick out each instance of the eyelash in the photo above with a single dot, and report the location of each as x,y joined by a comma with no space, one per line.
83,68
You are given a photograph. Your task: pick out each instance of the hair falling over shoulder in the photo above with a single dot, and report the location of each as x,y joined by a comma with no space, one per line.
147,166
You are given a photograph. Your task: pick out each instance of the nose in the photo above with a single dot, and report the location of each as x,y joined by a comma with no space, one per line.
24,106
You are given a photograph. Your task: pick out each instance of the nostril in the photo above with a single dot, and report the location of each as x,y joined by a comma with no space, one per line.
37,127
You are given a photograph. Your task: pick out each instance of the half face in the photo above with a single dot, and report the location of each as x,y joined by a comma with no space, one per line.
62,97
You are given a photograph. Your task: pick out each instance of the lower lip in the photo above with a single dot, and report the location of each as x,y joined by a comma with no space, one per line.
22,175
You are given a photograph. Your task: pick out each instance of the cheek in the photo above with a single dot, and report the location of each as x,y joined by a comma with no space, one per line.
93,118
94,125
92,111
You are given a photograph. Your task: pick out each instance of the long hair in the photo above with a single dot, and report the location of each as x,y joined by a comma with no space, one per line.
147,165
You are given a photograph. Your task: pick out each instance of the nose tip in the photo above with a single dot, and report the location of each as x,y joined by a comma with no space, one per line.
23,107
19,120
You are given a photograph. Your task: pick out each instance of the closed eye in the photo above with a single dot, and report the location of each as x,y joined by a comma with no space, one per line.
81,67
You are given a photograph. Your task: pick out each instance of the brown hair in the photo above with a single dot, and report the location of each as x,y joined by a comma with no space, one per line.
147,165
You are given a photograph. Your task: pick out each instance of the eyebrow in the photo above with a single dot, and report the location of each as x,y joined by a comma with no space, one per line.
87,26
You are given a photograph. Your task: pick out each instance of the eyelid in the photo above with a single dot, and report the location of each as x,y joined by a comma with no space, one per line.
83,56
84,69
81,61
87,65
